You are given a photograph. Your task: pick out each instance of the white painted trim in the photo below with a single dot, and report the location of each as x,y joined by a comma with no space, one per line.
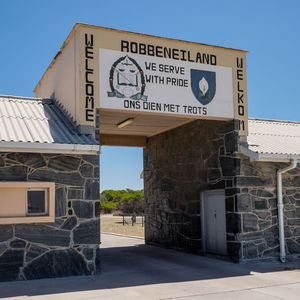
272,157
249,153
49,148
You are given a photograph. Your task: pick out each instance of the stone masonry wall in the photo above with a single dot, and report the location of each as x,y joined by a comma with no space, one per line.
70,245
178,165
257,214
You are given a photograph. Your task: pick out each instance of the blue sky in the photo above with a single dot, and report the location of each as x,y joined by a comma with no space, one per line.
32,32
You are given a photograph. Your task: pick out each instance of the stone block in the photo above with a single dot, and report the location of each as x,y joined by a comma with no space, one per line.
271,236
291,191
264,193
87,232
166,185
274,252
34,251
196,227
232,191
98,260
86,170
261,248
251,236
228,183
68,178
230,204
60,202
220,184
1,162
233,223
260,204
290,213
231,142
83,209
171,204
213,174
287,232
97,208
248,171
43,235
292,199
250,222
88,253
96,172
230,166
234,250
252,181
92,190
6,232
64,163
57,263
3,248
296,232
264,215
297,213
294,222
10,263
273,202
13,173
250,251
70,223
243,202
194,208
33,160
75,194
92,159
291,181
292,247
213,162
17,243
264,224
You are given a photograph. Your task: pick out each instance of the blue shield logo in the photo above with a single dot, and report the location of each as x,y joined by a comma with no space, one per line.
203,84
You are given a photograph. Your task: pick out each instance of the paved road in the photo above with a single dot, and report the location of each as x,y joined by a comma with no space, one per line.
132,270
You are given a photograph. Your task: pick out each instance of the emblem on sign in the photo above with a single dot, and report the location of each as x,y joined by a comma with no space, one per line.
126,79
203,84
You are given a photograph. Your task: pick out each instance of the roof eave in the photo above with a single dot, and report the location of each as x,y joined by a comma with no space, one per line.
49,148
272,157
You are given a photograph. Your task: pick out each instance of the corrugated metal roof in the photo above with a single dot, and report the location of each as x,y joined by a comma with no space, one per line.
274,137
35,120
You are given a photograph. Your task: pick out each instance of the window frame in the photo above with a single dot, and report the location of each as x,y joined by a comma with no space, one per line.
45,202
33,185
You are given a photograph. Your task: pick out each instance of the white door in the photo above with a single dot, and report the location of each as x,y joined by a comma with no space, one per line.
214,222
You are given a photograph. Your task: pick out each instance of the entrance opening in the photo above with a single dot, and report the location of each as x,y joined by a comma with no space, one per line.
121,196
182,158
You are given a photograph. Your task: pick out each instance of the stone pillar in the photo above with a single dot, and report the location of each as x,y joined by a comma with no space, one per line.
178,166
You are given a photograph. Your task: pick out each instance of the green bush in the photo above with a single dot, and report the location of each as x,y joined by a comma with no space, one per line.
107,207
125,201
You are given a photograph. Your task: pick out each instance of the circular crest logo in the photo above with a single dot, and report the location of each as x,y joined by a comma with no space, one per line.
126,79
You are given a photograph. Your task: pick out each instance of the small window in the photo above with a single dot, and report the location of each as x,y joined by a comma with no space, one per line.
36,203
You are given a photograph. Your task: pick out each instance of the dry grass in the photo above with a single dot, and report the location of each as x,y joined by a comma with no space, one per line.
114,224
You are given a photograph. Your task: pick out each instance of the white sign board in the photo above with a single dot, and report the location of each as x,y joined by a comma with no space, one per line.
159,85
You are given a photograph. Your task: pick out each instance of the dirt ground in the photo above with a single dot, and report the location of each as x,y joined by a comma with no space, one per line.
114,224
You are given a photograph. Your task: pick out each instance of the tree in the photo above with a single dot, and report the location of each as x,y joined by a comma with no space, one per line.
126,201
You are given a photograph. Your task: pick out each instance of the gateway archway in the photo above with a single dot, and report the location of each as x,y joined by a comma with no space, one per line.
184,103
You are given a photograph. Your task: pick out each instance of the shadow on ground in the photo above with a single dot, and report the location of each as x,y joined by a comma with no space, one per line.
137,264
